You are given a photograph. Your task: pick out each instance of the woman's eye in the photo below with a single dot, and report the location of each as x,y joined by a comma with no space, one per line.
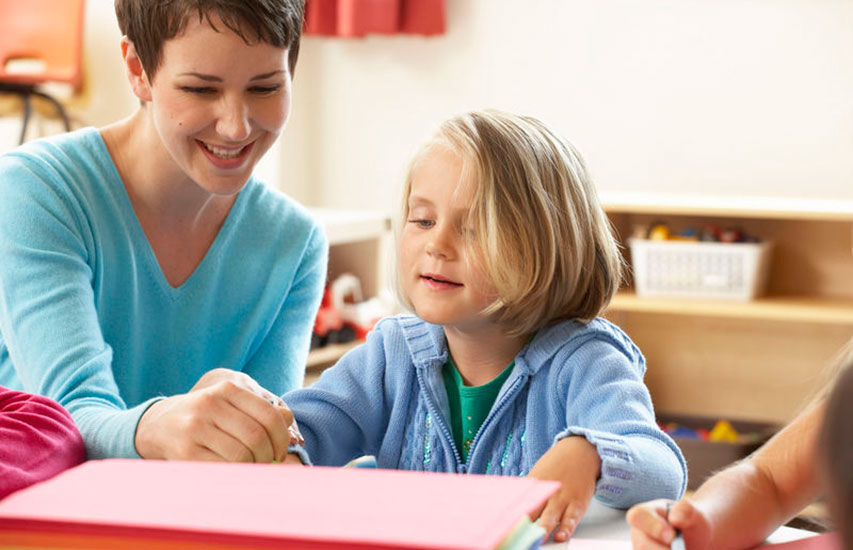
265,90
200,90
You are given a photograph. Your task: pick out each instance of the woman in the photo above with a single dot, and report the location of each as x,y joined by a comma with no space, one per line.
137,258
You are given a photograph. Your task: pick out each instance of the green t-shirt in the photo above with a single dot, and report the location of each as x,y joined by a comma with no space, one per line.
469,405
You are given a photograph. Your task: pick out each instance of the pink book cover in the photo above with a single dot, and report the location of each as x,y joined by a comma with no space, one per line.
269,506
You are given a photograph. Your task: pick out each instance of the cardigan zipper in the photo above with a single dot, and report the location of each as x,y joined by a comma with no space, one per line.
445,431
494,413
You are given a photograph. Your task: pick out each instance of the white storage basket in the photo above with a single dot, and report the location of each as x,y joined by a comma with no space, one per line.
689,269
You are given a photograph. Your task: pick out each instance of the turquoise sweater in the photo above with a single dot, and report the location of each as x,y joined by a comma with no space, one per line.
387,398
88,319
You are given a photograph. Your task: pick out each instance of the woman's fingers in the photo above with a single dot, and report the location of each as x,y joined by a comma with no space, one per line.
222,417
292,427
265,429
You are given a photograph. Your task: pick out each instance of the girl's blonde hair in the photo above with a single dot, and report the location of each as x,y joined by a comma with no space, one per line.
539,233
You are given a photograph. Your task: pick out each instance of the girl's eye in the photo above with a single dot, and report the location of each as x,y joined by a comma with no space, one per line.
200,90
265,90
423,224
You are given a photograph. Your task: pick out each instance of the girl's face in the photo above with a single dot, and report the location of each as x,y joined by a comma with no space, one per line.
438,272
218,104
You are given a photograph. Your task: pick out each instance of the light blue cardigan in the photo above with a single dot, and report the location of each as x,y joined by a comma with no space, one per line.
387,398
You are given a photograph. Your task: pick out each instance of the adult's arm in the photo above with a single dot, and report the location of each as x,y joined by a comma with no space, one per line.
38,439
48,317
279,362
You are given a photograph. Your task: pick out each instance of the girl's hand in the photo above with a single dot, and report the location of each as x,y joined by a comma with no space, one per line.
225,416
650,529
574,462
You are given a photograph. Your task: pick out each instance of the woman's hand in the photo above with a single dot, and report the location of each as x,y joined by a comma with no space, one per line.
225,416
653,525
575,462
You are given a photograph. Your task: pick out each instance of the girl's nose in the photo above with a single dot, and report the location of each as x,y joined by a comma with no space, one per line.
233,121
440,243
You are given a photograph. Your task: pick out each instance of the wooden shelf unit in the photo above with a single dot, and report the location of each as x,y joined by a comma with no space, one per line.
759,360
357,245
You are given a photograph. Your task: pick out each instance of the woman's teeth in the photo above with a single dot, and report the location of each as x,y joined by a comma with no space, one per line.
224,153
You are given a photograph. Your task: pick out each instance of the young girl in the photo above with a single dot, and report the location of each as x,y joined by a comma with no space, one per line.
739,506
506,259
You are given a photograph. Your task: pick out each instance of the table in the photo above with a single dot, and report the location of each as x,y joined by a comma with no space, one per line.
605,523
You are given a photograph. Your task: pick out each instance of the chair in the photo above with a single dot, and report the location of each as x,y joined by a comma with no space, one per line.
48,33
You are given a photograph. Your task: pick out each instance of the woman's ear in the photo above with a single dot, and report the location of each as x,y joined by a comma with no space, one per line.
135,72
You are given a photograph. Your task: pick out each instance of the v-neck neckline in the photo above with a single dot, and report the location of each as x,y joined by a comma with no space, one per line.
139,236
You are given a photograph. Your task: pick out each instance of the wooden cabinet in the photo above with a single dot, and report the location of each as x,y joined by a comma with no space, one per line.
758,360
358,244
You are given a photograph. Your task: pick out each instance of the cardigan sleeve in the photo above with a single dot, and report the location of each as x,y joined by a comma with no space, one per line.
344,414
38,440
609,405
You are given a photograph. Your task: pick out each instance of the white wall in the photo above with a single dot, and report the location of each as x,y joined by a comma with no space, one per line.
732,97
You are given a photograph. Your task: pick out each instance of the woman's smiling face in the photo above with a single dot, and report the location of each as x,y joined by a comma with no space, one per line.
218,104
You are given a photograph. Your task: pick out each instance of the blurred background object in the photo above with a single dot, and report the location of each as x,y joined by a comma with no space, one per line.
40,43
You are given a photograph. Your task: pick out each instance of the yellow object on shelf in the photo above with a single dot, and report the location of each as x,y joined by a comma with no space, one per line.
723,431
659,232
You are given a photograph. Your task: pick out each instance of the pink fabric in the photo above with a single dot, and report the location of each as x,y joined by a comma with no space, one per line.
355,18
38,440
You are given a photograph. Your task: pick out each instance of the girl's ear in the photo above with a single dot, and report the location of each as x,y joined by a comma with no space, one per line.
135,72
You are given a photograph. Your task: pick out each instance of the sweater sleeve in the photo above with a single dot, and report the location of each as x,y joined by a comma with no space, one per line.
610,406
279,362
48,317
344,414
38,439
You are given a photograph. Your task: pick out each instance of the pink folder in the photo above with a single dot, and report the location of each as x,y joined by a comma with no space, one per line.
157,504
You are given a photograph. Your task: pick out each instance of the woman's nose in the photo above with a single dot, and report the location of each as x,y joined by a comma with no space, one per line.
233,120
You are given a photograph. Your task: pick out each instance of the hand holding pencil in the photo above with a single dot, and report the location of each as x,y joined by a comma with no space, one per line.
667,525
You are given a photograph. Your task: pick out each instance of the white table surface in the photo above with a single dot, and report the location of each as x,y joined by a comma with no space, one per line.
604,523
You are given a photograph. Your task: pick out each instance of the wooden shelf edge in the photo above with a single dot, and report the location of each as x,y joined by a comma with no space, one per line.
321,357
772,308
736,207
346,226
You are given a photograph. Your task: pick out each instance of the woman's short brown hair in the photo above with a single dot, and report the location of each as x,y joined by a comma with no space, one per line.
149,23
539,232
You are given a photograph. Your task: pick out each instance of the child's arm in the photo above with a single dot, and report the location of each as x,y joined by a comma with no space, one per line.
38,439
740,506
600,384
344,414
574,462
